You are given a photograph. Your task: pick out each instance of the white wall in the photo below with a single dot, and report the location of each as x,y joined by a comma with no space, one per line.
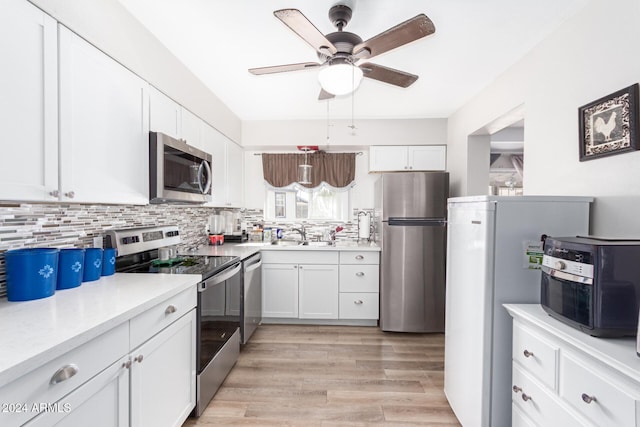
290,133
109,26
592,55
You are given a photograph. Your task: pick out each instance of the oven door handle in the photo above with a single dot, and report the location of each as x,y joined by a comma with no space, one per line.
253,266
219,278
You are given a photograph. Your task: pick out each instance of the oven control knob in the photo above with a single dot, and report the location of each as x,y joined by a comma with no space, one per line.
560,265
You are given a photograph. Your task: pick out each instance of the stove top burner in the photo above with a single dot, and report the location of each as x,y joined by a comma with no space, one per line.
206,266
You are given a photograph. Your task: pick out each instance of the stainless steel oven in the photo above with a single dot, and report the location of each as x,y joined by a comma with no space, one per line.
178,172
219,298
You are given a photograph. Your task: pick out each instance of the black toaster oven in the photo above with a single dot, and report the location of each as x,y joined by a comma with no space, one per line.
592,284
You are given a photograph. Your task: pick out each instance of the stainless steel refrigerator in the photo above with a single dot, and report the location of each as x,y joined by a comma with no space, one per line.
411,218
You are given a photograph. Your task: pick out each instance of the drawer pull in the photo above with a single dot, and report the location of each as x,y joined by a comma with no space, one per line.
358,301
359,274
526,397
516,389
359,257
527,353
64,374
171,309
588,399
138,359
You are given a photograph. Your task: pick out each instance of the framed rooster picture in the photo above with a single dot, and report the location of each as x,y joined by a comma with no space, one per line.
609,125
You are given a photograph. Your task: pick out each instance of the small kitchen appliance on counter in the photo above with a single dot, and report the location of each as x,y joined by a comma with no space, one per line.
219,308
592,284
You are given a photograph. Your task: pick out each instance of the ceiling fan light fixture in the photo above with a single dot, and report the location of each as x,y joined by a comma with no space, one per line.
340,79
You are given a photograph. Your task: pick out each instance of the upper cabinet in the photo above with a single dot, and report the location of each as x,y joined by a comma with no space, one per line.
28,103
407,158
235,175
104,127
164,114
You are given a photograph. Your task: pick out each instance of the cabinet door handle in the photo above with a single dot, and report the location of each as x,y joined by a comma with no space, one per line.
138,358
295,266
54,193
527,353
526,397
359,274
516,389
127,364
171,309
588,399
300,267
64,374
359,257
358,301
70,194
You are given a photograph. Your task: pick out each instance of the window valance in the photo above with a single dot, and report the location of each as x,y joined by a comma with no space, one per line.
336,169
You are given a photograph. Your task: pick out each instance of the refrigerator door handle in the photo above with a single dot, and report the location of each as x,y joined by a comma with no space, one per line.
419,222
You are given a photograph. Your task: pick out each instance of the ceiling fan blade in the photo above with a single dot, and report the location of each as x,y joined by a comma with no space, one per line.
284,68
388,75
324,95
406,32
300,25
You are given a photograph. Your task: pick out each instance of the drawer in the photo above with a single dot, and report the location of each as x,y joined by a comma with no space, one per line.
357,257
359,278
358,305
539,404
152,321
537,356
301,256
612,405
87,361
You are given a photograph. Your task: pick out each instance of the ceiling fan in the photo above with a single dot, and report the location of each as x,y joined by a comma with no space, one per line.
342,51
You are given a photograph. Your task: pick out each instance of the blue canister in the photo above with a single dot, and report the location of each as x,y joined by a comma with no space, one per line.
31,273
108,262
70,268
92,264
278,233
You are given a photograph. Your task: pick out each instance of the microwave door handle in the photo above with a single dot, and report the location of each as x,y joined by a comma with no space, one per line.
207,186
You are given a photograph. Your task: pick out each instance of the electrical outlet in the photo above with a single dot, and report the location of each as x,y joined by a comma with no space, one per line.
97,242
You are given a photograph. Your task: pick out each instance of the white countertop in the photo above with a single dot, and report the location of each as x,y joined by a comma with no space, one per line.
34,332
618,353
244,250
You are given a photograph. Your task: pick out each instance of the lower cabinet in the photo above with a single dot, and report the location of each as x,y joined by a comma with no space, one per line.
101,402
322,285
163,375
140,373
317,291
562,376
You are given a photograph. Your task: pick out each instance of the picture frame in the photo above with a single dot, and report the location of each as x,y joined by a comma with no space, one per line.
609,125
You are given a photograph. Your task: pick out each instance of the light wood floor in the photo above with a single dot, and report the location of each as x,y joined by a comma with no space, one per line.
329,376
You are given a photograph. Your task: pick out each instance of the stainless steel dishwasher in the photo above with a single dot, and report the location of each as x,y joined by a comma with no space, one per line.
251,296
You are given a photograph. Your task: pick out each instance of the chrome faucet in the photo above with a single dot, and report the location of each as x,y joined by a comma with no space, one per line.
302,232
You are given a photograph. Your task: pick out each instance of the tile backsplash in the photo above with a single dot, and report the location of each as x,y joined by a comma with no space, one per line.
24,225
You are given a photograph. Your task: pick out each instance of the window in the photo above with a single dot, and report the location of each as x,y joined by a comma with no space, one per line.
323,203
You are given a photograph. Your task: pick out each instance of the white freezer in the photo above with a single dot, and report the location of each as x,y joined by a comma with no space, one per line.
485,269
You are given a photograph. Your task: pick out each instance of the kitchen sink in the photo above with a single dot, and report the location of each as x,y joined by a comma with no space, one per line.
287,242
307,243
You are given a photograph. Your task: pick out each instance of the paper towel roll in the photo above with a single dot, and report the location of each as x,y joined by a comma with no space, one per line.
364,226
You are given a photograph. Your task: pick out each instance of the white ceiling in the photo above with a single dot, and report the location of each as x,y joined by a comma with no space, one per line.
474,42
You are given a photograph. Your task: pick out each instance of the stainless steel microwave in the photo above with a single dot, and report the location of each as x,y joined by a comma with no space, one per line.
178,172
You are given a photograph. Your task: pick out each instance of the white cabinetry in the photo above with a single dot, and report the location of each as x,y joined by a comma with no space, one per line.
104,127
359,285
235,175
164,114
321,285
279,290
318,291
562,376
28,103
407,158
141,371
163,375
300,284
